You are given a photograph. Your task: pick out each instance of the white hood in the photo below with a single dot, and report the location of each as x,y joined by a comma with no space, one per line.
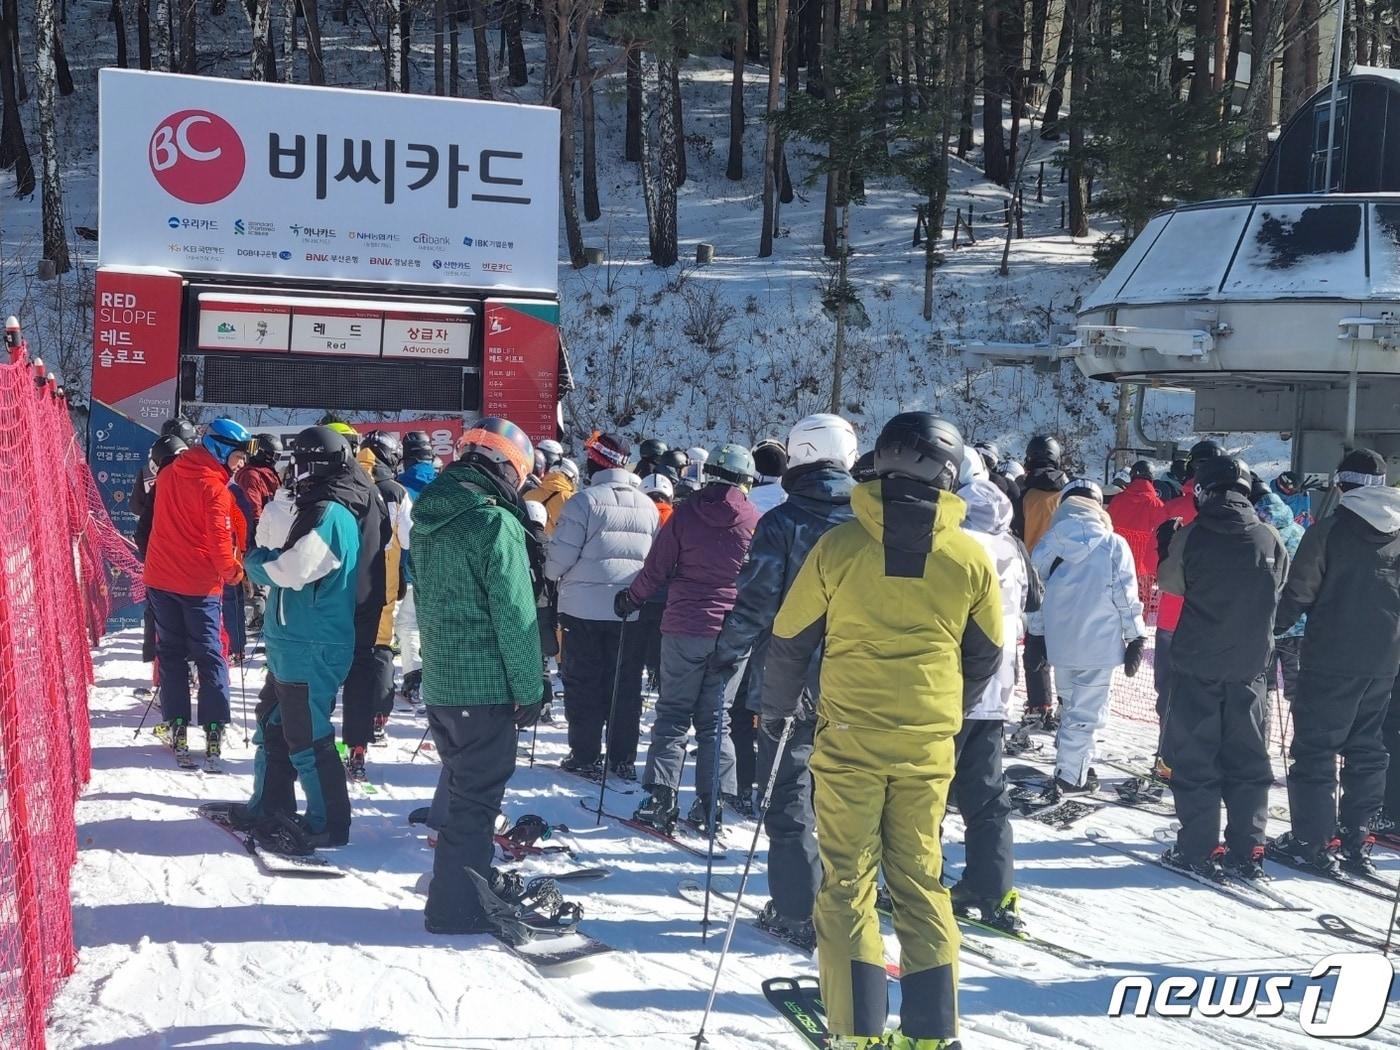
1079,526
1378,506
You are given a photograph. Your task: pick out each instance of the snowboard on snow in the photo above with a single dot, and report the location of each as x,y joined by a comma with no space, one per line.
271,862
534,938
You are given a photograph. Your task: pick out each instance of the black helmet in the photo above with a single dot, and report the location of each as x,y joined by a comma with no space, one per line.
921,446
386,447
864,470
653,449
166,448
672,461
1200,452
1043,451
267,447
417,447
1222,473
179,427
319,452
991,455
1141,469
770,458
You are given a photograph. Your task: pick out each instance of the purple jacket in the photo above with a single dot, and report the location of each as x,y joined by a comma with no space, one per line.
699,553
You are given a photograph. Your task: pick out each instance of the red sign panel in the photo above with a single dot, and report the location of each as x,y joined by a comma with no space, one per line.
136,344
442,432
520,369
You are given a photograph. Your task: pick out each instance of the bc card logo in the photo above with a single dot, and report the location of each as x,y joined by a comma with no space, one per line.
197,156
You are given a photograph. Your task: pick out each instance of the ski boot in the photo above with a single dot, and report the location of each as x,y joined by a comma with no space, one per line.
659,810
179,741
1318,860
379,736
547,714
798,932
1205,867
1160,769
899,1041
355,765
699,817
588,767
1356,853
1004,914
410,687
742,805
623,770
1020,743
213,742
1248,868
1067,787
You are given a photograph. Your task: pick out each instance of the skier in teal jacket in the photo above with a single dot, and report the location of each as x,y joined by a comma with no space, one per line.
307,553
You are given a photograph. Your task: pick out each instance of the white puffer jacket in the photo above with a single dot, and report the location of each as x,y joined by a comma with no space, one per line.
1091,609
600,542
988,520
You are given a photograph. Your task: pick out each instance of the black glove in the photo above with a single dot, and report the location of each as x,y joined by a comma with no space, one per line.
527,715
624,605
773,728
1035,653
1165,532
1132,658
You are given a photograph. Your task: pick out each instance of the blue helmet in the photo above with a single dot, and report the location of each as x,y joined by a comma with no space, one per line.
223,437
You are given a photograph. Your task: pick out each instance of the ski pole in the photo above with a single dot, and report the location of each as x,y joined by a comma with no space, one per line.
1390,930
744,878
612,715
716,753
146,714
421,741
243,689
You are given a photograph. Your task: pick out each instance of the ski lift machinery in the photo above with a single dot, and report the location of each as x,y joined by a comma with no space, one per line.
1279,311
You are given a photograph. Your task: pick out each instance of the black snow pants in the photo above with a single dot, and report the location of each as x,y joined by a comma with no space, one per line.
369,687
477,747
1217,737
1337,715
794,867
590,661
1391,736
980,793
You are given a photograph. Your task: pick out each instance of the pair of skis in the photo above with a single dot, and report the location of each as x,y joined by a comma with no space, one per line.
695,845
798,1001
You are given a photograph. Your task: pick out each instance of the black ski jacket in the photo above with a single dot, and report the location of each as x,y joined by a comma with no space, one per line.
1346,577
1229,567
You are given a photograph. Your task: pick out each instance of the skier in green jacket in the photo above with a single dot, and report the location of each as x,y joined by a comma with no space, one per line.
481,656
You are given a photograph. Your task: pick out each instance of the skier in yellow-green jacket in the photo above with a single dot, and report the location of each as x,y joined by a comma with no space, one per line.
907,607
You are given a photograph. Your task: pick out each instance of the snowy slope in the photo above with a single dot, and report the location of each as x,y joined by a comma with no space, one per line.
184,943
735,350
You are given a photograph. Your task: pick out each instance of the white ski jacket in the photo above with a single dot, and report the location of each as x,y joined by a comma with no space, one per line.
988,519
1091,609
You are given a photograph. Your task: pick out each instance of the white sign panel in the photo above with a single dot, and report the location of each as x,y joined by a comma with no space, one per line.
325,331
427,337
203,175
244,326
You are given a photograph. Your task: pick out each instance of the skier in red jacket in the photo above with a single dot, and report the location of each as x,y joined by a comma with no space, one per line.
190,557
1138,509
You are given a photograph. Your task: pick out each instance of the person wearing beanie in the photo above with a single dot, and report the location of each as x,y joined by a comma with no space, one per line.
1136,513
1035,506
1346,578
599,543
770,459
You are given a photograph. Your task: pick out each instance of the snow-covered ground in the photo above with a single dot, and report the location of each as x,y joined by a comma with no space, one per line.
184,943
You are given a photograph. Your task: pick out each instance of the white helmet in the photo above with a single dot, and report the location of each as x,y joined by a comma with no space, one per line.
698,455
822,438
553,451
1011,468
658,485
568,468
972,468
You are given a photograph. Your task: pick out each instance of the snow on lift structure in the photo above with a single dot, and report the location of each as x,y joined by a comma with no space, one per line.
1280,311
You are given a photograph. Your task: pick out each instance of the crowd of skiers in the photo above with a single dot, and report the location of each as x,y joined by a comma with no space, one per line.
841,633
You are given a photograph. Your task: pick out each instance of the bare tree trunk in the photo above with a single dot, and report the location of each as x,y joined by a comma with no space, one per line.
832,11
880,25
755,33
17,60
45,78
261,27
1311,77
14,150
143,33
482,48
119,30
573,234
1050,124
405,45
843,269
1078,84
592,210
518,73
678,117
648,185
993,92
289,41
1266,29
734,169
665,251
311,22
394,80
187,22
1201,51
632,147
770,134
439,47
1221,40
969,79
1040,17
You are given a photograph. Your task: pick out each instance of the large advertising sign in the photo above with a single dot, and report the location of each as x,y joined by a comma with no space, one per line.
204,175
